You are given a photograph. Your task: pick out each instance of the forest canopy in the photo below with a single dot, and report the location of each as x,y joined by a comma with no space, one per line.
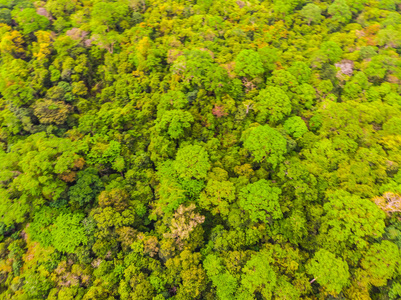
200,149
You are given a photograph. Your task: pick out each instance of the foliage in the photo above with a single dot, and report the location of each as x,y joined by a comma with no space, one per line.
192,161
201,149
68,232
272,104
350,219
329,271
248,63
266,144
311,12
87,186
261,201
295,126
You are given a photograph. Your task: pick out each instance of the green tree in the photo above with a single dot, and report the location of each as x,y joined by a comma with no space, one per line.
389,4
68,232
29,20
269,57
284,7
380,262
31,173
329,271
226,284
285,290
259,276
40,229
265,144
5,16
350,220
340,11
295,126
15,82
217,197
261,201
272,104
301,71
197,69
186,271
87,187
171,195
248,63
332,51
192,161
36,285
114,212
312,13
107,16
174,122
390,36
102,151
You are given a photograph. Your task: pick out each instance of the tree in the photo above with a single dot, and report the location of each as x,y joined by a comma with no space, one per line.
389,36
31,173
226,284
14,81
115,211
389,202
295,126
171,195
192,161
380,262
332,51
172,100
350,220
61,8
174,122
29,20
301,71
52,112
340,11
184,224
103,151
40,228
196,68
284,7
272,104
286,290
265,144
259,276
12,43
261,201
248,63
5,16
329,271
389,4
217,197
68,232
294,226
269,58
36,285
312,13
107,16
43,47
87,187
186,271
287,81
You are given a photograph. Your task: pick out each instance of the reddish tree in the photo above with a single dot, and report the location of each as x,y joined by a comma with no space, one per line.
219,111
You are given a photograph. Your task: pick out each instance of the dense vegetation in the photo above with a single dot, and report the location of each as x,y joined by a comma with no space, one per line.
200,149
